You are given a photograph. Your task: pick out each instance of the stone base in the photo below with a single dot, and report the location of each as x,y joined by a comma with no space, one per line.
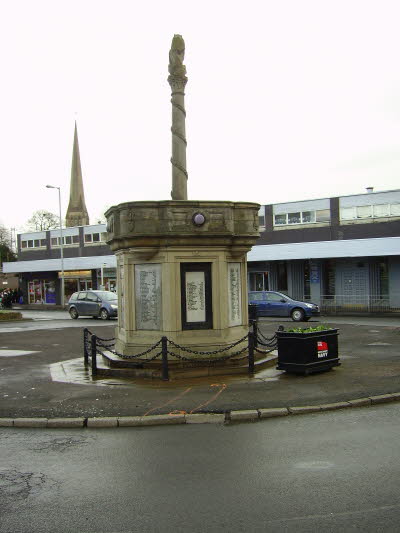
113,366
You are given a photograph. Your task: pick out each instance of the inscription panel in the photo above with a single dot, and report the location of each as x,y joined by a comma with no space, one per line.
234,294
148,296
121,306
195,297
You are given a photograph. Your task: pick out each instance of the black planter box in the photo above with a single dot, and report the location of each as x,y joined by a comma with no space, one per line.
305,353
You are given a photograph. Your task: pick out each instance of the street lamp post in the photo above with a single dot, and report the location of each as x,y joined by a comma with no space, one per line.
61,243
102,276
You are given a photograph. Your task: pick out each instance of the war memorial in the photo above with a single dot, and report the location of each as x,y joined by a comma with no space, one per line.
181,264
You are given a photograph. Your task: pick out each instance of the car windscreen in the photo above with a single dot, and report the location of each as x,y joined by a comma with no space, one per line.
107,296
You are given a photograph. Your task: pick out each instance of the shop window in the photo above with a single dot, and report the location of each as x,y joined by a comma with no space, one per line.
88,237
383,278
323,215
282,276
294,218
364,211
24,244
328,276
280,219
302,217
75,239
307,217
395,210
43,242
96,237
307,290
36,243
348,213
30,244
258,281
55,241
381,210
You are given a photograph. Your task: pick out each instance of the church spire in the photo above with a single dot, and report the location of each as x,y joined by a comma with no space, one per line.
77,214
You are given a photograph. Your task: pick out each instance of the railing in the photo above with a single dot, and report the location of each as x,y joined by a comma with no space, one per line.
94,345
340,304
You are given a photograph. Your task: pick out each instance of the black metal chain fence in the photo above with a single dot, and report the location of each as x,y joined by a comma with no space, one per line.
93,345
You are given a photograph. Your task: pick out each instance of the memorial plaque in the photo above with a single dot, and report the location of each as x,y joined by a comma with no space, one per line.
121,305
195,297
148,296
234,294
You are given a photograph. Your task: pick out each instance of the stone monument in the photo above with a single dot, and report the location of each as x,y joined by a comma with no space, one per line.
177,80
181,264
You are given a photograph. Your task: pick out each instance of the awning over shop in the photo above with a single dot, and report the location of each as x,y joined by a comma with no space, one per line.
70,263
326,249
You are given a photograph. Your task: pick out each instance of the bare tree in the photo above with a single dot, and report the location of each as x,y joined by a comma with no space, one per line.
6,252
43,220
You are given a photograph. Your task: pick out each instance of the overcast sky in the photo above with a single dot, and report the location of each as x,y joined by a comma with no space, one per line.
286,100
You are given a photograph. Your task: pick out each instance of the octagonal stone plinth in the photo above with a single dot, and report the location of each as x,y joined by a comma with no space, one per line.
181,268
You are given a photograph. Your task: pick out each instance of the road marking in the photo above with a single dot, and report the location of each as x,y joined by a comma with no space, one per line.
223,387
169,401
15,353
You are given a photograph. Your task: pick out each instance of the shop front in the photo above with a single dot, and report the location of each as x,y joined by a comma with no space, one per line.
42,291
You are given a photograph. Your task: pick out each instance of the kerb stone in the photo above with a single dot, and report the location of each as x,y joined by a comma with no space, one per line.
205,418
130,421
245,414
304,409
155,420
272,412
30,422
6,422
382,398
102,422
65,422
360,402
336,405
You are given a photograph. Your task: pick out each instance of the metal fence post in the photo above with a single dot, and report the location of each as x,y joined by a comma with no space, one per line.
85,350
254,325
94,354
251,352
164,353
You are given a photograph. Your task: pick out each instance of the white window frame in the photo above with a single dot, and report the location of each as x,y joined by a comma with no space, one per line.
302,222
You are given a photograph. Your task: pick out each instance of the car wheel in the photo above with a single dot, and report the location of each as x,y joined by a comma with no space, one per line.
73,313
104,314
297,315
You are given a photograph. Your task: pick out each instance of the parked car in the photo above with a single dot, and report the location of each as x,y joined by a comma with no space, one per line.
271,303
99,304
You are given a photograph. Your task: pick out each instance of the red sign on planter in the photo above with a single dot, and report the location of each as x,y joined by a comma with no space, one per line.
322,348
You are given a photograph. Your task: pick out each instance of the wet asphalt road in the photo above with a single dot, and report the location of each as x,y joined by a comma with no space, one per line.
370,355
336,471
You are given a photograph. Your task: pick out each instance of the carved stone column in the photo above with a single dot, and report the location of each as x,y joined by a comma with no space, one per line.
177,80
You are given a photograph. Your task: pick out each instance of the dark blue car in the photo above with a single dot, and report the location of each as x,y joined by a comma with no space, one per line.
271,303
99,304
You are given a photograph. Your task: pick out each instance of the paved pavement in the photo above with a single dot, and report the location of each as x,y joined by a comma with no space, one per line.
42,375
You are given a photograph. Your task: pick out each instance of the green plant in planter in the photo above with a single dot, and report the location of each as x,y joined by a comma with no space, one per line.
310,329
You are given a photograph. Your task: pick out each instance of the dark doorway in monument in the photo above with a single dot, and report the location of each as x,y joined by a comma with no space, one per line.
196,292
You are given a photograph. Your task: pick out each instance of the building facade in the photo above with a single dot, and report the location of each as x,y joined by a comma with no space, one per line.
342,252
87,260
